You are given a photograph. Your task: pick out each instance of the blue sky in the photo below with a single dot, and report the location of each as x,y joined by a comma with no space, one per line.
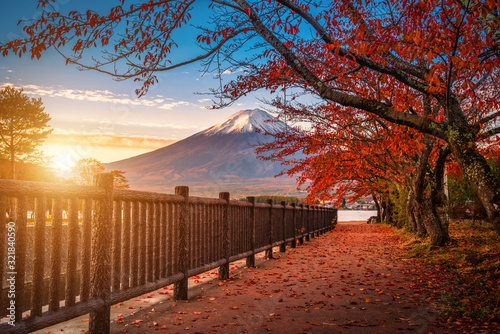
95,116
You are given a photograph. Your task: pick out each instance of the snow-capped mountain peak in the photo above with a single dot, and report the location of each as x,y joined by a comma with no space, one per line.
248,121
221,157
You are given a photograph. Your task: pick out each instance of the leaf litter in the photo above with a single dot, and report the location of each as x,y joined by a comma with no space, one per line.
304,288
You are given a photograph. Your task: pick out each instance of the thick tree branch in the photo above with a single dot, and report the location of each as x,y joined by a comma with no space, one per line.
488,118
363,61
489,133
374,107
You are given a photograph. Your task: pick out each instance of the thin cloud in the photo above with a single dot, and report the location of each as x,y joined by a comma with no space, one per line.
138,124
100,140
158,125
170,106
228,71
105,96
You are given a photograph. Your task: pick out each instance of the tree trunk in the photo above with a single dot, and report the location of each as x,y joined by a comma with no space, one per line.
12,168
379,209
498,168
415,216
395,211
383,206
410,211
421,230
425,211
438,197
400,209
12,159
389,210
477,171
432,224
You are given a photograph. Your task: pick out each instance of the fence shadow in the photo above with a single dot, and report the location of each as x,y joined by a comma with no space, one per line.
89,247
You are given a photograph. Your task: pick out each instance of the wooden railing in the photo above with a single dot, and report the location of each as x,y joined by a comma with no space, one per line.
118,244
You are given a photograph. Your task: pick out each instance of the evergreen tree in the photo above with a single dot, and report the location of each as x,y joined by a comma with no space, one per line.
23,127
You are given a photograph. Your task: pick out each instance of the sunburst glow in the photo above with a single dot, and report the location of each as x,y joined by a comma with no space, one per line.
66,150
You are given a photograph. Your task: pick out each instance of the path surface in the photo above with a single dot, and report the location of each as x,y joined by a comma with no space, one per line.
346,281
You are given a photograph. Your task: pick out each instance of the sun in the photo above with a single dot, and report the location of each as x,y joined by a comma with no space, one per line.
60,162
62,157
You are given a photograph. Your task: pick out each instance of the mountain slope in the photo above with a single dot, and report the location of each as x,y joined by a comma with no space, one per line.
220,158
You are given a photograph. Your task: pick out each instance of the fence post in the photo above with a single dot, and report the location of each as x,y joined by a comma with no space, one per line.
303,228
125,256
269,252
19,212
315,222
312,222
117,245
328,220
181,287
308,225
85,255
335,217
100,279
251,230
39,256
134,242
320,220
3,236
331,218
226,242
293,244
142,242
283,222
72,257
150,237
323,220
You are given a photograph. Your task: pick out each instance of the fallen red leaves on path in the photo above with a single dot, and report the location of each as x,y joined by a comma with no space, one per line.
350,280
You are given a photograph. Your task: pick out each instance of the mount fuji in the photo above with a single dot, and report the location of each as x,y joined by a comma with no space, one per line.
220,158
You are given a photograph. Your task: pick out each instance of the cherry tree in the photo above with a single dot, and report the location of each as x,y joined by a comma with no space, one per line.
435,62
364,156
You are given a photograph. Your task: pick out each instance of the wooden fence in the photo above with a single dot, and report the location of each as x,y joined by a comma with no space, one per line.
117,244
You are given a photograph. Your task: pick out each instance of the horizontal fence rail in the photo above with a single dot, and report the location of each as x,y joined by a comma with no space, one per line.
68,250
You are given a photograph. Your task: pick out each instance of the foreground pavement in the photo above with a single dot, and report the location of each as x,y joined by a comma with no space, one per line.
346,281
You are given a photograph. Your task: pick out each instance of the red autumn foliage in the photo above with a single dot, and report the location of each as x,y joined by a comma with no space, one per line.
431,66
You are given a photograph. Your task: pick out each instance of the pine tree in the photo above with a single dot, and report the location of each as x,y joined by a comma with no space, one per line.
23,126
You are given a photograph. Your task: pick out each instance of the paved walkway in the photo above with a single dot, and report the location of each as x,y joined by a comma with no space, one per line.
346,281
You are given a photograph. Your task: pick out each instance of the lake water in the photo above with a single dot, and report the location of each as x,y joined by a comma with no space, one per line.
355,215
